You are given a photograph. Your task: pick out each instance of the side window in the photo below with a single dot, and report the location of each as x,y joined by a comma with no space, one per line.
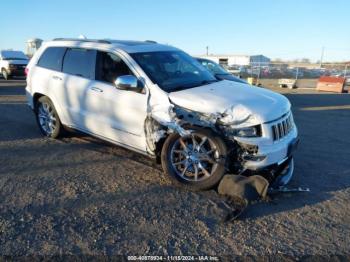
211,67
52,58
79,62
109,67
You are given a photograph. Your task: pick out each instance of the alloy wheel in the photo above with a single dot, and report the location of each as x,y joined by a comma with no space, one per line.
47,118
194,157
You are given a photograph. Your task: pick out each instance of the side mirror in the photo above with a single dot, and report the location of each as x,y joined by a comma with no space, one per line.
129,82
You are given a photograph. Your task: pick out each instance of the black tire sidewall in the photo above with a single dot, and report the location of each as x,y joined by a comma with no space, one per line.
57,131
192,185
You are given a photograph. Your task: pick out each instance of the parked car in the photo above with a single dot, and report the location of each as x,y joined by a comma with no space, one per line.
12,63
287,82
347,80
218,71
236,70
159,101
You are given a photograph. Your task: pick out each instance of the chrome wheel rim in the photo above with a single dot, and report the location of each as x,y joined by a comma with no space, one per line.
194,157
47,118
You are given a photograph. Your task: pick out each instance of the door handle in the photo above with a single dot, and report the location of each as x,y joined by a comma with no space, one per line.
57,78
96,89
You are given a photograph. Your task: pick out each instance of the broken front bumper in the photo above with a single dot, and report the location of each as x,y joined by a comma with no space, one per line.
284,175
278,175
273,159
269,152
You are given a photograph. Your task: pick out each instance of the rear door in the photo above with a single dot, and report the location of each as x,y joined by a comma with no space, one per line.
48,77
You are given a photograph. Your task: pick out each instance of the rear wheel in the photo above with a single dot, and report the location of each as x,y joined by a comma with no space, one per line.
196,161
47,118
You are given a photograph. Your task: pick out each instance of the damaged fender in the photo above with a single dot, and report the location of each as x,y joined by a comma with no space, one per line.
161,119
172,117
166,117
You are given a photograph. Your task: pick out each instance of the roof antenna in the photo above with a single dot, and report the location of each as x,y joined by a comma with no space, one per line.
82,37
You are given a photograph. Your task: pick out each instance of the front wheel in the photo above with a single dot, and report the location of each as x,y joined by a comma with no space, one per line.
47,118
196,161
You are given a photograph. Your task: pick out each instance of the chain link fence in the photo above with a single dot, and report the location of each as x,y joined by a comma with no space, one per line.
305,73
296,71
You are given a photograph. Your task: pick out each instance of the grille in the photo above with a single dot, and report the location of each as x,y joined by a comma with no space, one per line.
282,128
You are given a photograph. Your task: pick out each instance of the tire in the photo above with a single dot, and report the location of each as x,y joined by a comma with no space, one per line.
5,75
200,164
47,118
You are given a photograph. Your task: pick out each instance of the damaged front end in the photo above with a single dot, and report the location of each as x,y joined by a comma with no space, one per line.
251,147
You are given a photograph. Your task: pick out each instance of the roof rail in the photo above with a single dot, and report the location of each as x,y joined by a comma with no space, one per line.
151,41
82,40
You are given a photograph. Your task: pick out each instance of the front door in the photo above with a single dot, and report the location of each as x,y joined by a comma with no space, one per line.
115,114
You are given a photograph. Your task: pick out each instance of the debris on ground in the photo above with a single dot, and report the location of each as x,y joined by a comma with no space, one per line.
284,189
241,191
250,188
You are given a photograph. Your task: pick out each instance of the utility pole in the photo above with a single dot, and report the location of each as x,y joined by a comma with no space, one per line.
207,50
345,70
322,54
297,74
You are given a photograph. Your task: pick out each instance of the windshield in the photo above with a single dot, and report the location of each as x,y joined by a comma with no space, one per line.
215,68
173,70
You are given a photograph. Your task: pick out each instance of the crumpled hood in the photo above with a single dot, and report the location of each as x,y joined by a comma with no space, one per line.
221,97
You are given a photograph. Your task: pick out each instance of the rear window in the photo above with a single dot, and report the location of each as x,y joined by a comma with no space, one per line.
79,62
52,58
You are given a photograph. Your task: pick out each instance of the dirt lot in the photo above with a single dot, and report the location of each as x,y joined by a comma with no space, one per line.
80,196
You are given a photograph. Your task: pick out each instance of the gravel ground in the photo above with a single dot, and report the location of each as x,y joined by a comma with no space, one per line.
81,196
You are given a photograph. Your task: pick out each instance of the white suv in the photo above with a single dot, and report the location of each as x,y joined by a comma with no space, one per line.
159,101
12,63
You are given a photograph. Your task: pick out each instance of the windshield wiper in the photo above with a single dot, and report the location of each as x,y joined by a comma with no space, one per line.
182,87
206,82
177,88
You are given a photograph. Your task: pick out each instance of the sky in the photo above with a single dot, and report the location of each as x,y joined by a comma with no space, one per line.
286,29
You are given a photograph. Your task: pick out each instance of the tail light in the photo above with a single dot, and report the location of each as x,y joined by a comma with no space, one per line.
26,71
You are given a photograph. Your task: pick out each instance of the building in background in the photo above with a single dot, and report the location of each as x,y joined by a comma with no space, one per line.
32,45
240,60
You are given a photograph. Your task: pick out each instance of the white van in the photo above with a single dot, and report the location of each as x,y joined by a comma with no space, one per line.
159,101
